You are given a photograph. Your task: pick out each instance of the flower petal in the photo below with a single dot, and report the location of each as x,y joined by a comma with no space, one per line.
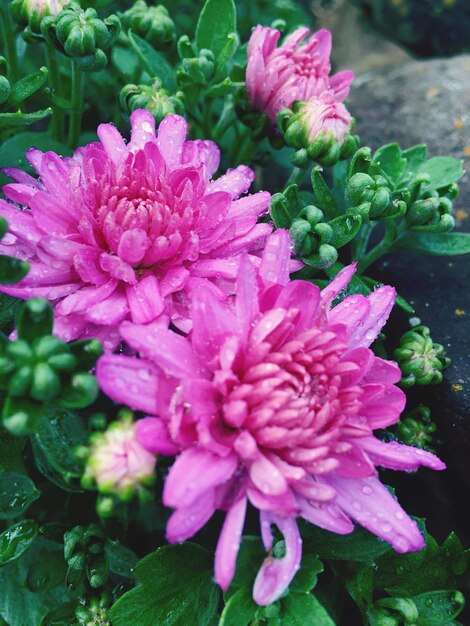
229,544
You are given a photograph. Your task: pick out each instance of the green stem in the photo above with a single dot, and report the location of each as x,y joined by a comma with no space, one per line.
8,33
54,78
225,120
243,150
360,242
392,235
296,176
78,83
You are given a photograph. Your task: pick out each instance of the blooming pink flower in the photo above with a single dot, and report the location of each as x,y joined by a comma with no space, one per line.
277,77
273,399
120,231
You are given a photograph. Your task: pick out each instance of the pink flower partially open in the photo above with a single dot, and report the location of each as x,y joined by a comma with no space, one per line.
322,114
272,399
278,76
119,231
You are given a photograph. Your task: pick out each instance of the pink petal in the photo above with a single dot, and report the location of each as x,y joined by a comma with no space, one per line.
383,371
133,245
267,477
171,136
275,575
339,282
371,504
187,520
145,301
229,544
195,472
246,303
235,182
130,381
153,435
328,516
255,205
172,352
85,297
381,302
112,141
397,456
142,129
274,268
305,297
109,312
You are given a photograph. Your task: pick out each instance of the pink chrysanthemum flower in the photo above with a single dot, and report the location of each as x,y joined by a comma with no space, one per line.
278,76
273,399
119,231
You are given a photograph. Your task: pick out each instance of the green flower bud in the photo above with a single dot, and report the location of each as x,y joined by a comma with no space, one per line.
20,382
196,71
46,383
416,429
321,127
5,89
30,12
152,23
82,35
371,196
430,213
311,235
153,97
421,361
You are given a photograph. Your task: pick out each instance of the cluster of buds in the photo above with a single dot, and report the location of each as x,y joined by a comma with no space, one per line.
420,359
117,465
153,97
370,195
311,236
84,551
152,23
38,367
416,429
11,270
94,611
82,35
320,128
428,210
432,607
196,69
315,233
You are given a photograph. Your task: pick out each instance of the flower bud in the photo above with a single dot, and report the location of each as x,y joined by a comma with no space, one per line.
153,97
416,429
117,464
30,12
82,35
196,71
370,196
421,361
152,23
430,213
321,126
311,236
5,89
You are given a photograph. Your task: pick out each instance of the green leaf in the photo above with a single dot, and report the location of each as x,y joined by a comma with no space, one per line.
17,539
154,62
436,608
360,545
391,161
11,449
441,244
176,589
17,493
345,228
414,157
297,607
12,120
26,86
443,170
12,270
60,431
33,585
307,576
122,560
217,22
240,609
